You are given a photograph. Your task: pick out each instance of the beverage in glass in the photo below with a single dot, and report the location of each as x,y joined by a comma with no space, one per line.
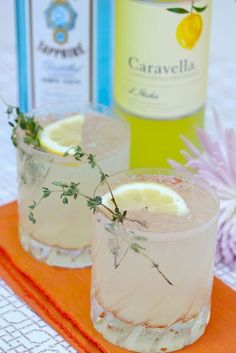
152,274
62,232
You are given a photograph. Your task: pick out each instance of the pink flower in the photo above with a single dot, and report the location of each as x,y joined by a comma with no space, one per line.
216,164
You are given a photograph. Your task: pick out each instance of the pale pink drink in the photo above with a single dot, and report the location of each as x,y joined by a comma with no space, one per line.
61,235
151,285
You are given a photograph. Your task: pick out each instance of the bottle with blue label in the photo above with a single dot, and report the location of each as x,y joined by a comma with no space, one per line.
64,51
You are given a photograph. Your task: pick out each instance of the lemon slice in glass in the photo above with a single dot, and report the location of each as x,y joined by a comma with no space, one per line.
60,135
154,197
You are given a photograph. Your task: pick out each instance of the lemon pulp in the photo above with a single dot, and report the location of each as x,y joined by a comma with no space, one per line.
153,197
60,135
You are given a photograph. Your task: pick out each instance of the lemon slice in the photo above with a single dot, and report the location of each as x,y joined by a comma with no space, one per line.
59,136
154,197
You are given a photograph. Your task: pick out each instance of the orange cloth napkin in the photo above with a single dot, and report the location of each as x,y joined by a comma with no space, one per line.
61,298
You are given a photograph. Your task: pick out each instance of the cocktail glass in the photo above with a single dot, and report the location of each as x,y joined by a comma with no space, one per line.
152,276
61,235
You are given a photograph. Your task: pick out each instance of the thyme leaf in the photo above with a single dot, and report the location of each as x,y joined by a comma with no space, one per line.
27,123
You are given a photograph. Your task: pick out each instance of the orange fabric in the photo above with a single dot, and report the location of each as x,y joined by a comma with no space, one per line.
61,298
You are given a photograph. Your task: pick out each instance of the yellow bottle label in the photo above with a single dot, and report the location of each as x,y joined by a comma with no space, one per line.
161,57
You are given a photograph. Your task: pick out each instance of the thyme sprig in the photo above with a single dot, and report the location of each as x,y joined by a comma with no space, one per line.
27,123
66,191
72,190
79,154
115,249
140,250
31,129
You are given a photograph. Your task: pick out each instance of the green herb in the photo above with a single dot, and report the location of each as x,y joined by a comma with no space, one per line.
72,190
31,215
30,127
115,249
140,250
95,201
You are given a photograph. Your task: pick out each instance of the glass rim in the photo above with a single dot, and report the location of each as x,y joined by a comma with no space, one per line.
83,107
156,236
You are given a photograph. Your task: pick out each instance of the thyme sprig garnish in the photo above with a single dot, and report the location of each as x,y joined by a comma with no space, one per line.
134,246
72,190
140,250
31,129
79,154
27,123
69,191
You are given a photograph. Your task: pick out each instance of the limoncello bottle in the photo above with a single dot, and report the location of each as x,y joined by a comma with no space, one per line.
161,64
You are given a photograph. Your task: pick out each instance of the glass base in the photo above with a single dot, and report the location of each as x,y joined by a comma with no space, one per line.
56,256
145,339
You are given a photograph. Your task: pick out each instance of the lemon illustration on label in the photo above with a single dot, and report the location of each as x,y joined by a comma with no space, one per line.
190,27
189,30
